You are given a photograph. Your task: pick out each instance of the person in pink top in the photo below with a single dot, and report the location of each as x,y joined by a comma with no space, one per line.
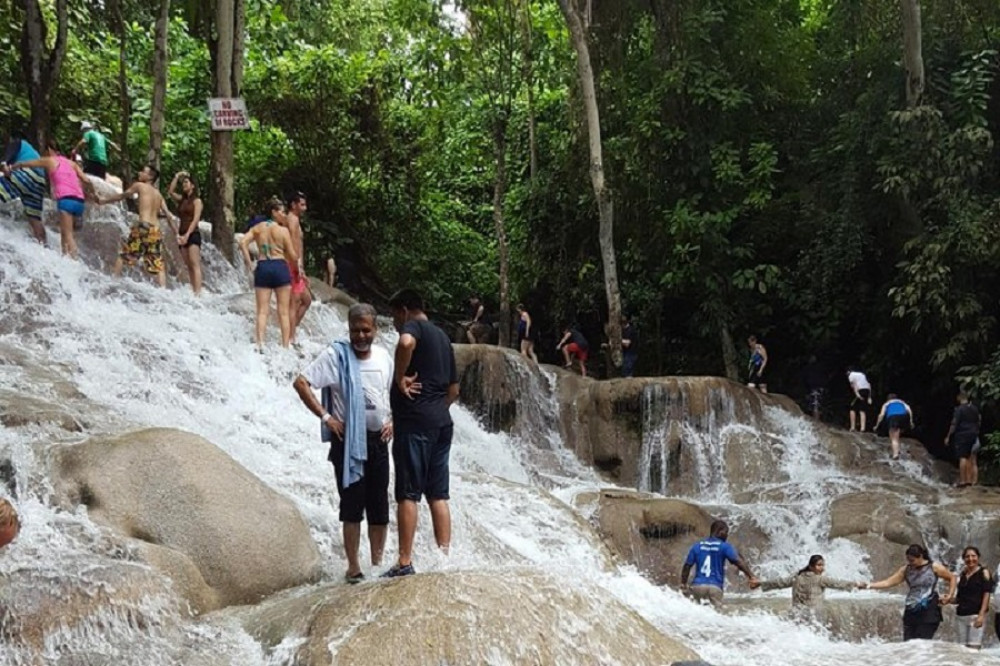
68,183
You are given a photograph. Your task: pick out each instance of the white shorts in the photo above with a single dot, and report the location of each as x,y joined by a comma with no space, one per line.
966,633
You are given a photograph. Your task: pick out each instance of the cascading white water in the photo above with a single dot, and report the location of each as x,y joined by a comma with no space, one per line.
142,356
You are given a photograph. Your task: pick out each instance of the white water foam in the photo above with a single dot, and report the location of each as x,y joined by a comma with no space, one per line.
148,357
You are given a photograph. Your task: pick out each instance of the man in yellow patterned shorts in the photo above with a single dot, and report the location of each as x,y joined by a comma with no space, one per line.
145,241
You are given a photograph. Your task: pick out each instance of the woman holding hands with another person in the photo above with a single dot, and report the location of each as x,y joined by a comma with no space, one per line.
809,586
922,614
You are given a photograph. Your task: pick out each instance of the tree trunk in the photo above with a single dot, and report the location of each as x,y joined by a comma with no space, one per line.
728,353
227,76
157,113
605,201
913,58
529,81
124,105
503,250
41,69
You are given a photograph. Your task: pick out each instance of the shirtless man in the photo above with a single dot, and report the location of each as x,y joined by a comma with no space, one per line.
145,240
301,297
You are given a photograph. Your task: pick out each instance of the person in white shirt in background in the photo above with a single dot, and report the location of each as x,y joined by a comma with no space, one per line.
862,390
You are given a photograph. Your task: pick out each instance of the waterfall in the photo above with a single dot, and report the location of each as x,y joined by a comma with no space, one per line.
104,355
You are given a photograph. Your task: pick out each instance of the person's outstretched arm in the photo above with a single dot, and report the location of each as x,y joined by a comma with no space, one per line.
777,583
114,198
892,581
881,415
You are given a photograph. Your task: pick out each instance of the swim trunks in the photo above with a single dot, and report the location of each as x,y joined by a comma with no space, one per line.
578,351
271,274
368,497
898,422
421,461
298,279
144,242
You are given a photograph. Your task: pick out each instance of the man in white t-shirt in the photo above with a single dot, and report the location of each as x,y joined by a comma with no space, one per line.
369,496
862,390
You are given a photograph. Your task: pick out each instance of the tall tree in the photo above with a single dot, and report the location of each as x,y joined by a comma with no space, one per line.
120,28
41,65
913,57
578,22
157,113
225,43
494,26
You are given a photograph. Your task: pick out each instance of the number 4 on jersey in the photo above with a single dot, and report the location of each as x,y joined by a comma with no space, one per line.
706,568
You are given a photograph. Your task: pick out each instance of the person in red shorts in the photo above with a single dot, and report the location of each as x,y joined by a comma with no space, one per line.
301,296
573,343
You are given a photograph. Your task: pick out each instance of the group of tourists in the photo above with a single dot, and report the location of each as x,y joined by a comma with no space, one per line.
27,175
962,437
368,400
970,591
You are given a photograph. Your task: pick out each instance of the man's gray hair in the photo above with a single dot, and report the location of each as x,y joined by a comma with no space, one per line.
359,310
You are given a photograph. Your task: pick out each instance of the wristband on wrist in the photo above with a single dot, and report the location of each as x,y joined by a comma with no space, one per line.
326,415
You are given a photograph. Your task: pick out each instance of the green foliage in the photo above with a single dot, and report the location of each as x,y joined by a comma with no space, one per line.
767,176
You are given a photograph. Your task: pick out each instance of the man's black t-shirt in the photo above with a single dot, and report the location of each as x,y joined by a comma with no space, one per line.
577,337
433,362
628,333
966,420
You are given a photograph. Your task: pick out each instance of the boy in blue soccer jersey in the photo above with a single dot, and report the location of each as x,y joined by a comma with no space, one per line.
708,557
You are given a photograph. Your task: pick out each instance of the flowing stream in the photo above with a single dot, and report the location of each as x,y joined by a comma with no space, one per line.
146,357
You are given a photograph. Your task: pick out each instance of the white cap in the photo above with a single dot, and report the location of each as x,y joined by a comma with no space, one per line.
86,125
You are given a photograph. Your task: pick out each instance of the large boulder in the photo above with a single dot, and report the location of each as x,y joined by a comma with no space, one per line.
877,513
652,533
461,618
175,490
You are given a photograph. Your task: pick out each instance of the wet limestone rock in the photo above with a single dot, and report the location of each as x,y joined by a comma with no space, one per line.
652,533
877,513
517,616
17,410
43,610
178,491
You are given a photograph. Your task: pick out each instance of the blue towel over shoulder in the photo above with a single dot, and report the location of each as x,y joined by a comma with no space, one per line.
355,437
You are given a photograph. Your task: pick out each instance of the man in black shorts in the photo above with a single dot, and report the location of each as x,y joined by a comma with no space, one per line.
963,434
425,385
357,422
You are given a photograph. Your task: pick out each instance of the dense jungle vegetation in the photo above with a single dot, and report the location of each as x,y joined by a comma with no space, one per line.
821,173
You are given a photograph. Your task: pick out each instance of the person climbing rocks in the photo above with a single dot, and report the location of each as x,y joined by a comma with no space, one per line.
272,273
70,188
355,377
10,523
301,295
189,209
862,390
708,557
630,346
94,147
28,185
922,614
526,333
815,378
425,386
477,326
975,585
897,415
808,588
963,435
757,365
145,238
574,345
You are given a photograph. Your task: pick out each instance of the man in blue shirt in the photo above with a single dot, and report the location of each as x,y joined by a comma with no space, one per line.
708,557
